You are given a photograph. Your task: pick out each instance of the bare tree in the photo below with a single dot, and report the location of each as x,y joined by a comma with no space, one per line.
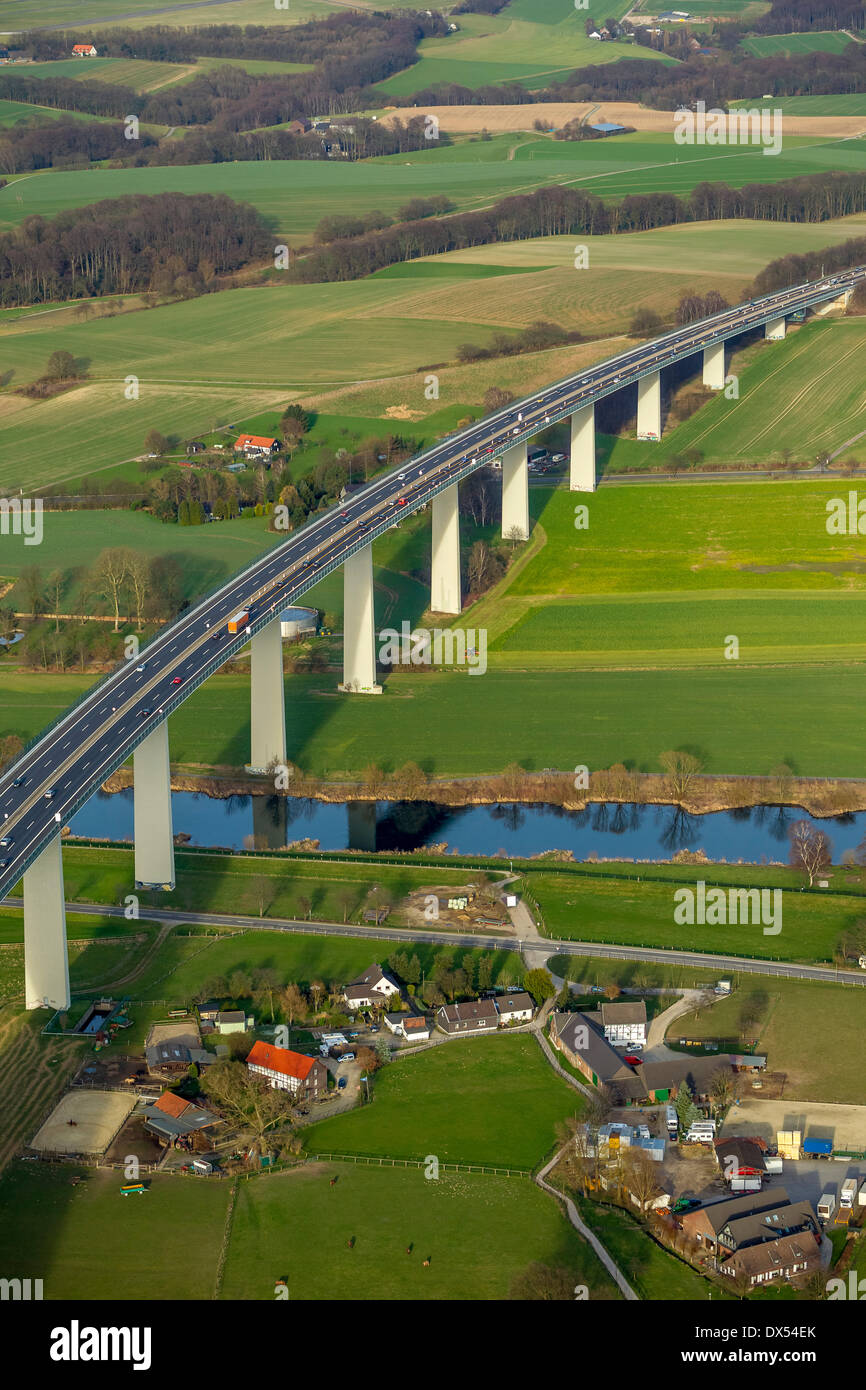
810,849
110,574
682,768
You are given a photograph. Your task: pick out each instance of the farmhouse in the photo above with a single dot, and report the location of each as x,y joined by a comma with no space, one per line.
514,1008
475,1016
370,989
661,1078
83,50
587,1049
624,1022
289,1071
256,446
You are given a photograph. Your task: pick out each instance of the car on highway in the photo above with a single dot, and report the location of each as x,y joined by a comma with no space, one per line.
18,782
4,863
142,667
143,713
49,793
6,842
401,477
178,680
402,501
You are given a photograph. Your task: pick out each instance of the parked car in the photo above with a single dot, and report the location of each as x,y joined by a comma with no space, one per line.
341,1084
346,1057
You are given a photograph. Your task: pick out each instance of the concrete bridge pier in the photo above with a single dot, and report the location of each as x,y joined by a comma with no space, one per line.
649,406
46,961
359,625
581,471
445,595
267,699
714,367
774,328
515,492
151,809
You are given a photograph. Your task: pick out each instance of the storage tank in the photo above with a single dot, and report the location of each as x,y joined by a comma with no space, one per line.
294,622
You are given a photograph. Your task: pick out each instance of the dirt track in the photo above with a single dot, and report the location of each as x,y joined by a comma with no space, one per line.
462,120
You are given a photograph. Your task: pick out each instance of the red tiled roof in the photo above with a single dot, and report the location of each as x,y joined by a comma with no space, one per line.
280,1059
170,1104
258,440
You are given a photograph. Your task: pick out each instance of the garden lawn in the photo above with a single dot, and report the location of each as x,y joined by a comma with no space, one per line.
479,1100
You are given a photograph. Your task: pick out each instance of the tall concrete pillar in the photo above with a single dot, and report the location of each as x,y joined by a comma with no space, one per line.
46,962
774,328
515,492
445,571
151,803
359,625
649,406
714,366
581,470
267,699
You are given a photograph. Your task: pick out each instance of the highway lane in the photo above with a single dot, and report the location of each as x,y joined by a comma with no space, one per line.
55,775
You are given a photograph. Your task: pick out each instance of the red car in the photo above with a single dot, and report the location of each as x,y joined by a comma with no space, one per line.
635,1061
177,680
401,501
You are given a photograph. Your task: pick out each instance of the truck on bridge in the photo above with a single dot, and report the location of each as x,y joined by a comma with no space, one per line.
238,620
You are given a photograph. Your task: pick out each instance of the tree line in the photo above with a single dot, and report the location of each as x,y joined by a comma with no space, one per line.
555,210
797,269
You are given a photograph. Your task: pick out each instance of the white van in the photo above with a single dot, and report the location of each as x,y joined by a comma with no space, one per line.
827,1206
671,1117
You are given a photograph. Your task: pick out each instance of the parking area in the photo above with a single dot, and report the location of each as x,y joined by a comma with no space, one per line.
843,1125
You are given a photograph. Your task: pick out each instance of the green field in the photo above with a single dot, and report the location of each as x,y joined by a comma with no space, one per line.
460,1102
784,1032
532,41
743,721
199,368
138,73
642,914
293,1226
81,1238
783,45
835,104
477,1232
18,14
296,194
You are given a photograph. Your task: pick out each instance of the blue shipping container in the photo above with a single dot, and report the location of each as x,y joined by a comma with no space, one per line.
817,1146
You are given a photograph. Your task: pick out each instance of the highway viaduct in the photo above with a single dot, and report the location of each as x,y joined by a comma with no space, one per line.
127,712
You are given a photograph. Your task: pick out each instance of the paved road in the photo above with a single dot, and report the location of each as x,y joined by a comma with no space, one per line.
62,768
533,945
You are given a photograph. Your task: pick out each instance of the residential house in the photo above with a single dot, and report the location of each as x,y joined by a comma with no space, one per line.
414,1027
83,50
256,446
790,1257
298,127
371,989
289,1071
473,1016
171,1117
734,1223
209,1011
234,1021
516,1007
587,1049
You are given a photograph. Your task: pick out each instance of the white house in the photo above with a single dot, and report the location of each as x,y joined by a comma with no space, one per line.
514,1008
371,989
624,1022
411,1026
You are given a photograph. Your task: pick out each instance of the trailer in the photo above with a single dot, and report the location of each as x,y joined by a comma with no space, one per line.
238,620
746,1184
827,1206
848,1192
817,1148
861,1196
